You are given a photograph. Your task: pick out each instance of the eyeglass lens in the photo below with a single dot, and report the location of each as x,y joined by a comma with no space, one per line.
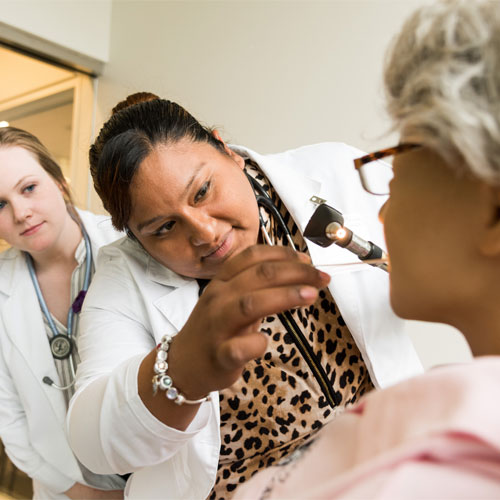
377,174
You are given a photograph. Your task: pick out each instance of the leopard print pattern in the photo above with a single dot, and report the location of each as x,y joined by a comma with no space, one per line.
277,406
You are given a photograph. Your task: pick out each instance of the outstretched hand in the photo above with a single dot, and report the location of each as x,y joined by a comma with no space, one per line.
222,333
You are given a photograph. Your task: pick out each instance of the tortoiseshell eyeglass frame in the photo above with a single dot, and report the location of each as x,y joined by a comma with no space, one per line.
378,155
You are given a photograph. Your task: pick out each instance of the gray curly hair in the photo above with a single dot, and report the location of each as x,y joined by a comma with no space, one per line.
442,80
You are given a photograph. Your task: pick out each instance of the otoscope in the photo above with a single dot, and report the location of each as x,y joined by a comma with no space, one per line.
326,226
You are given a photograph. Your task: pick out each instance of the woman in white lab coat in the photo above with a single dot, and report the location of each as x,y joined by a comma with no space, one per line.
48,239
151,328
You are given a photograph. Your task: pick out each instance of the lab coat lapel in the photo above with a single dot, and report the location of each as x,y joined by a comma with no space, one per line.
180,298
295,191
179,303
29,338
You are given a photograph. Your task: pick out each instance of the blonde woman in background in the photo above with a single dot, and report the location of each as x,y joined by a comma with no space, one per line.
43,280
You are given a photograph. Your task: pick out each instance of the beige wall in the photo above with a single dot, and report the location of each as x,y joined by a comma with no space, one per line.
272,74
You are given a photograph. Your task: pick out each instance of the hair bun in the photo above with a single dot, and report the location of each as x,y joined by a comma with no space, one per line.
132,99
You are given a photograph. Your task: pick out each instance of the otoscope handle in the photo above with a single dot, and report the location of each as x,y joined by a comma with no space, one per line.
345,238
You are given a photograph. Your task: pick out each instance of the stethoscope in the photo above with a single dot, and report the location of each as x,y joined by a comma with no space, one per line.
264,200
62,345
286,318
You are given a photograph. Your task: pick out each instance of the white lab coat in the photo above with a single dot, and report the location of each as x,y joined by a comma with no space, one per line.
32,414
134,300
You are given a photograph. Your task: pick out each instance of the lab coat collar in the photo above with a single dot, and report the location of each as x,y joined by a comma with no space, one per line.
295,188
160,274
181,294
10,262
93,231
176,305
149,266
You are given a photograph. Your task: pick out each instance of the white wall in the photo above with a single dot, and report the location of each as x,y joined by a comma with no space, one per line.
80,25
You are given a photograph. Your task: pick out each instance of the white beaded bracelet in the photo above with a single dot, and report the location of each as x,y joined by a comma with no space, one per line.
163,382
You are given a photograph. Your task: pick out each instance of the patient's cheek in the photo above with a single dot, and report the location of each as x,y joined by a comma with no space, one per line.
401,303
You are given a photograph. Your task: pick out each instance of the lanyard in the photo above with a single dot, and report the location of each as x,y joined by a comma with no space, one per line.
62,345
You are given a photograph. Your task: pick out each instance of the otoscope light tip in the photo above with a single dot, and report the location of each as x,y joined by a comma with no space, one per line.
341,233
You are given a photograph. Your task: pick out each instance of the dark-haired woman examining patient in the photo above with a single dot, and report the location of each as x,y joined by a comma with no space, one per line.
186,307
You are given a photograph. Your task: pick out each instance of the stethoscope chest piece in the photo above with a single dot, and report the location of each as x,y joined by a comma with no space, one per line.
61,346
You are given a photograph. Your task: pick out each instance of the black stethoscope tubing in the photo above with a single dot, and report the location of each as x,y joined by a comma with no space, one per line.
263,200
332,397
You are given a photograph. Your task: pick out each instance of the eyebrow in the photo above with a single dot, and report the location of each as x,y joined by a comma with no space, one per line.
157,218
23,179
20,181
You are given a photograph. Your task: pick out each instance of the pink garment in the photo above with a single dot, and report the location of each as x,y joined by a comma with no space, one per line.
434,436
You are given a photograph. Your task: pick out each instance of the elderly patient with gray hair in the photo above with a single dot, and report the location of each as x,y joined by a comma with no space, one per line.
436,435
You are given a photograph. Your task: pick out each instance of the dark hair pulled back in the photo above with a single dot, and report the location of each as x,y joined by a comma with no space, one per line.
138,125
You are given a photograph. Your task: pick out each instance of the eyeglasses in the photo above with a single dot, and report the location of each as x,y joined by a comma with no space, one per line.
376,175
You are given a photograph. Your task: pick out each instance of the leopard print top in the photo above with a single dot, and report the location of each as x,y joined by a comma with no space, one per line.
276,407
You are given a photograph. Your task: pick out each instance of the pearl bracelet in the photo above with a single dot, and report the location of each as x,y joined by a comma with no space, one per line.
163,382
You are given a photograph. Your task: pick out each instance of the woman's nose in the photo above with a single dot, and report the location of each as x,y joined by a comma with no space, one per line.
382,211
203,229
21,210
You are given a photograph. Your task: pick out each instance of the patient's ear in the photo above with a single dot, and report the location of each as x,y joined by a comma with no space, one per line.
489,245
